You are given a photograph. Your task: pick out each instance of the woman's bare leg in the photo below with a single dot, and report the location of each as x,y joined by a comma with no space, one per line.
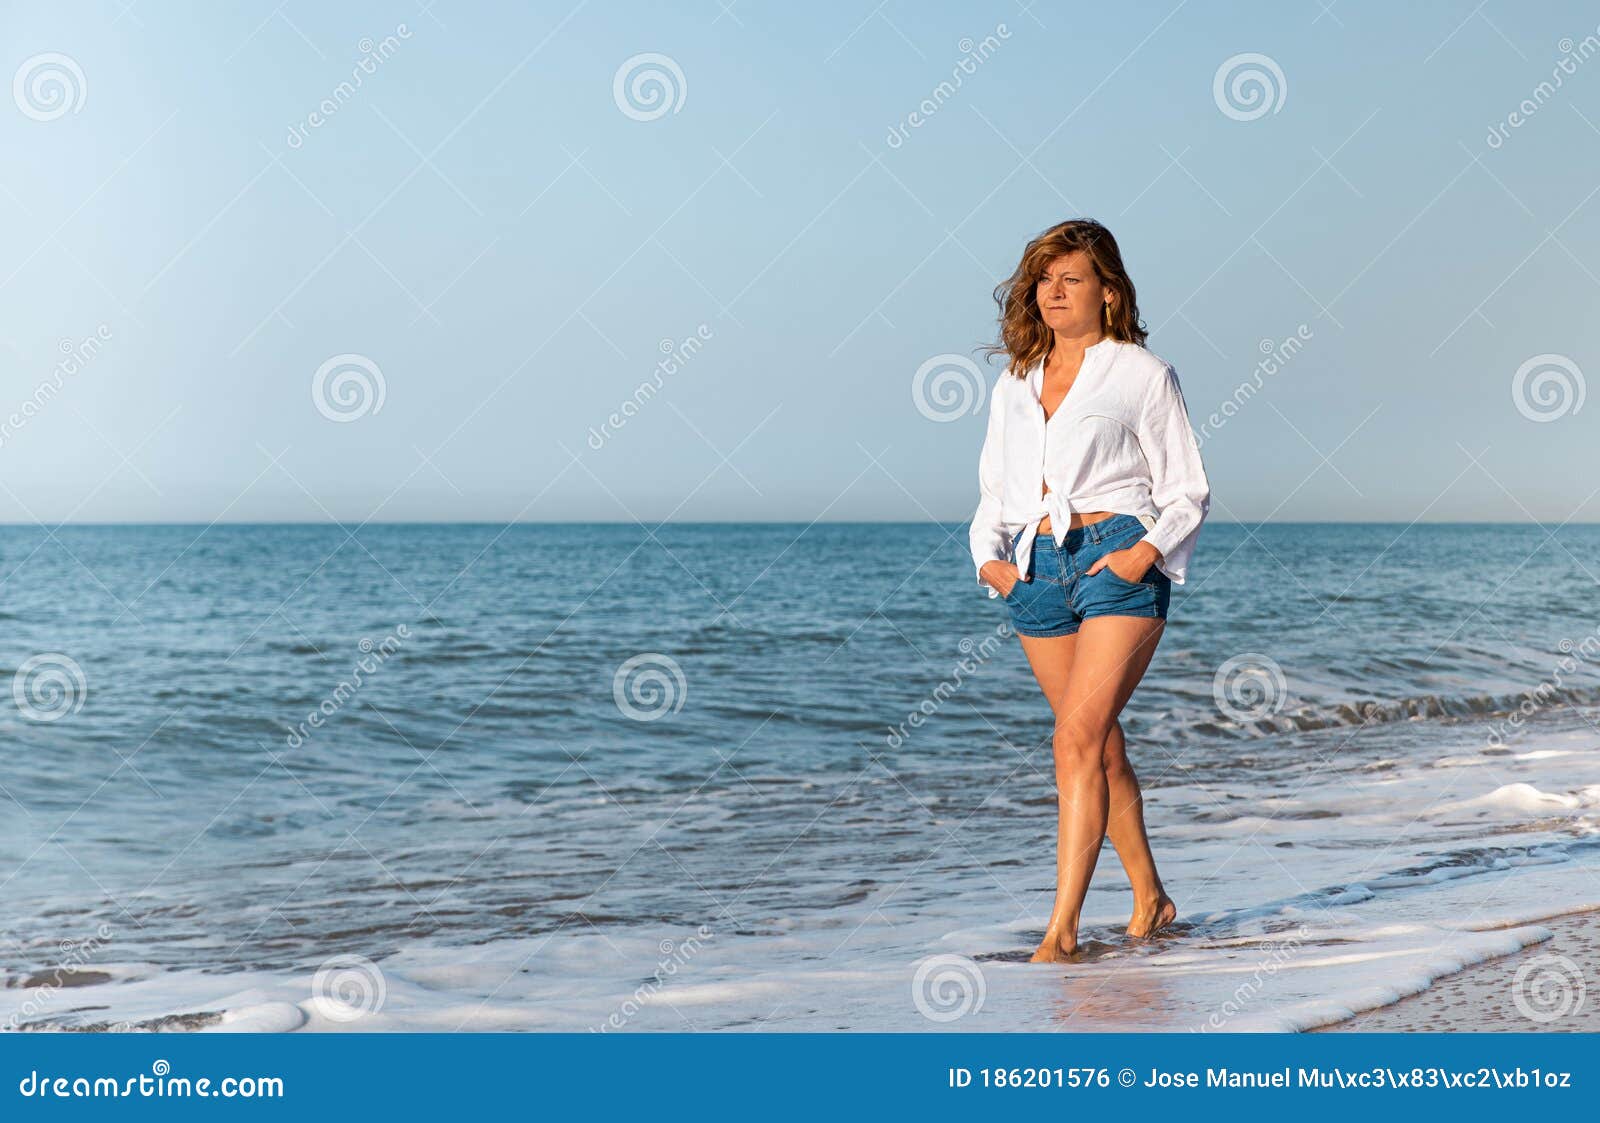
1153,910
1101,666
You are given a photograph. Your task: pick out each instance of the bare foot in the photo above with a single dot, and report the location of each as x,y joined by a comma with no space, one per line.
1149,919
1055,949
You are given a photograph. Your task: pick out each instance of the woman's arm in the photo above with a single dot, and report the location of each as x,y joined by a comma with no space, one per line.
987,536
1178,487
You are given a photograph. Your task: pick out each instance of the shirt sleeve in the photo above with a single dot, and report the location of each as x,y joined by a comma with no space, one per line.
988,535
1178,484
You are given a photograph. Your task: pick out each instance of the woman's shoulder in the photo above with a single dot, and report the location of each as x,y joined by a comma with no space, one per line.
1013,378
1137,358
1148,375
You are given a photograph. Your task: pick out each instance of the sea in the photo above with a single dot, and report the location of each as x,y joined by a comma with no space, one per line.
741,777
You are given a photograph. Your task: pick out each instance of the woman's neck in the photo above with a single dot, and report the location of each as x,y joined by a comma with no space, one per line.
1069,349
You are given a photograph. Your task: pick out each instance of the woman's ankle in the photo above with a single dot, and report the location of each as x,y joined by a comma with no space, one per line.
1150,900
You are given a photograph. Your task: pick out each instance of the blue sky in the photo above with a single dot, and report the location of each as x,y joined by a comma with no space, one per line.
486,223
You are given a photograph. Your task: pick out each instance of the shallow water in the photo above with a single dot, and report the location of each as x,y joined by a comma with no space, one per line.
837,766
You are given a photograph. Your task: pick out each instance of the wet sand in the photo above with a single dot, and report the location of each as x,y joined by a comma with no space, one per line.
1551,987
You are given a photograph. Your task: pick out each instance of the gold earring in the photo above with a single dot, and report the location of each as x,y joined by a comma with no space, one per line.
1108,313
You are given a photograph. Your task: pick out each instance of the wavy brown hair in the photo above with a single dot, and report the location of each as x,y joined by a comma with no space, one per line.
1024,338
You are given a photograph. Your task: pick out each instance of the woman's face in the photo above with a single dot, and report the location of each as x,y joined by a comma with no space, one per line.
1071,297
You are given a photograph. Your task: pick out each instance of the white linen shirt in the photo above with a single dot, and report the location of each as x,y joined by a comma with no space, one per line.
1119,441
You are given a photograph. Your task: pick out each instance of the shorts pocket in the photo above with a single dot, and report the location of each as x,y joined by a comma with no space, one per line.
1142,583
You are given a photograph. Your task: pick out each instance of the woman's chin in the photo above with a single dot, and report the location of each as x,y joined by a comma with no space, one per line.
1070,327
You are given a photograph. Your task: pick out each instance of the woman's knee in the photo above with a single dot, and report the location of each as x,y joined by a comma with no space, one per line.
1078,744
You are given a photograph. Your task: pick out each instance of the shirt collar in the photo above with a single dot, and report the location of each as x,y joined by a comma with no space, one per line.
1036,374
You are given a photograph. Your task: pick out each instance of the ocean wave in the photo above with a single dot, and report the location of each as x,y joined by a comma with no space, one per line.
1406,708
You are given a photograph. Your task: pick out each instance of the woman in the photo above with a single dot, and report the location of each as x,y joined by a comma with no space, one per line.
1086,557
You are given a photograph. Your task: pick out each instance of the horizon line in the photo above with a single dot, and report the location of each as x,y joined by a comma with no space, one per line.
41,524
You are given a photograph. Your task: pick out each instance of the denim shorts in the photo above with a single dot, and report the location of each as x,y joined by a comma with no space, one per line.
1057,597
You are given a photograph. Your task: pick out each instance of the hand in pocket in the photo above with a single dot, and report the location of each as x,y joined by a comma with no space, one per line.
1132,566
1002,575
